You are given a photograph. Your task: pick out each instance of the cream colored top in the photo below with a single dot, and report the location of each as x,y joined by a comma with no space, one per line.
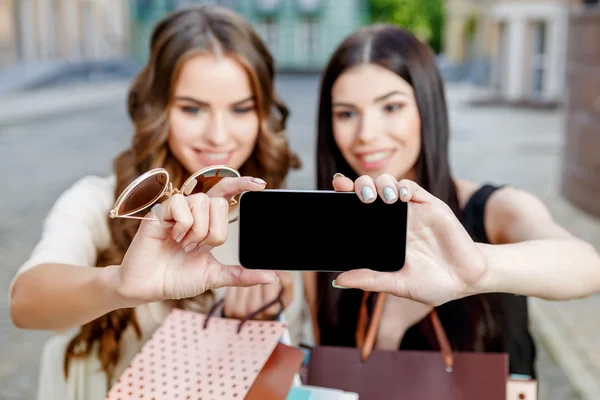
75,231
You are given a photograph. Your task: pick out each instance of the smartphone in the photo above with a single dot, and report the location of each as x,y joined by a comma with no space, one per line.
320,231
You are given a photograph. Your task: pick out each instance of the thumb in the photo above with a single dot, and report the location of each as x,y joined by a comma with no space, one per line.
219,275
342,183
411,191
372,281
229,187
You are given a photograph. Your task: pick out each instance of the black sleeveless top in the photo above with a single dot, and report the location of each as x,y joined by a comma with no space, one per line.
504,317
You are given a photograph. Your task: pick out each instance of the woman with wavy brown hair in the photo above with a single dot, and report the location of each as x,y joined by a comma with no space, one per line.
205,97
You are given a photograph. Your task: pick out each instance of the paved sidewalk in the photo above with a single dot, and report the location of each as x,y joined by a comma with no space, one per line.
528,145
21,107
16,77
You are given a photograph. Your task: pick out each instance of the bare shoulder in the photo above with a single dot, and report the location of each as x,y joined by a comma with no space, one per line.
513,214
465,190
511,201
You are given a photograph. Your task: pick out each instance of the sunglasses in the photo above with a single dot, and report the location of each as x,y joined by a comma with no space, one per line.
155,184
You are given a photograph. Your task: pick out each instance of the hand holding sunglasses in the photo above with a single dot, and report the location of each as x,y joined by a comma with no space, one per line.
169,257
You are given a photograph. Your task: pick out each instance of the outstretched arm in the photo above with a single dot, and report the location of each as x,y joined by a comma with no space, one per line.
166,260
533,255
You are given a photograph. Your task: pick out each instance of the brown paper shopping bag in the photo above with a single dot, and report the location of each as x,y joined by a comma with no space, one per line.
423,375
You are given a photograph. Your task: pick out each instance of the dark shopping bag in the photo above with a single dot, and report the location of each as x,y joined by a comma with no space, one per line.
411,375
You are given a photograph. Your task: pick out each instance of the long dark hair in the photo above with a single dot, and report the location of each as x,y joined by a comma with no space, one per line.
402,53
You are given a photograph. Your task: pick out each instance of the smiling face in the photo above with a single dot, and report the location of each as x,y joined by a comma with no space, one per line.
213,118
376,122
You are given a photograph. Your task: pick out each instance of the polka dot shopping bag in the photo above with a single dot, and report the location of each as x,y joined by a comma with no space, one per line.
193,356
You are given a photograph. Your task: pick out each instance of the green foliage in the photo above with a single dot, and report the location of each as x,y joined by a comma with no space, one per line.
471,27
424,18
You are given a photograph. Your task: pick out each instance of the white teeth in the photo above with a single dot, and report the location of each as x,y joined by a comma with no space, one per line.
216,156
374,157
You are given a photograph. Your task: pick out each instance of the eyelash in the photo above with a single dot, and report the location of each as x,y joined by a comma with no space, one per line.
388,108
196,110
345,114
243,110
191,109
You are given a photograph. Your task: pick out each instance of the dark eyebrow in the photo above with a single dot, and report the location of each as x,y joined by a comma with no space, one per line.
247,99
385,96
377,100
203,103
343,105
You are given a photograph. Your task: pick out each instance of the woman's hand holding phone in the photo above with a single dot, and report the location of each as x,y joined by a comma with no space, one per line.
442,261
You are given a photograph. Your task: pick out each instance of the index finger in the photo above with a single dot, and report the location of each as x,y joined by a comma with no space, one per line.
229,187
364,187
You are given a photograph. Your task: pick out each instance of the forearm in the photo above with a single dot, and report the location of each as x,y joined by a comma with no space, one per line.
553,269
309,279
41,301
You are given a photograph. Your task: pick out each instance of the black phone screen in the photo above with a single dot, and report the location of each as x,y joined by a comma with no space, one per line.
320,231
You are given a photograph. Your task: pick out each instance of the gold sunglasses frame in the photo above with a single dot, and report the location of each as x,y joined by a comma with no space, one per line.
168,190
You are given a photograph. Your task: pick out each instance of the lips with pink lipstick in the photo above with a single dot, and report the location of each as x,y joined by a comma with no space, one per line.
376,159
213,157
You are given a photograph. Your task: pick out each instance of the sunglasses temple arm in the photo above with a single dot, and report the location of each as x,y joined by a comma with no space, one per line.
138,218
155,219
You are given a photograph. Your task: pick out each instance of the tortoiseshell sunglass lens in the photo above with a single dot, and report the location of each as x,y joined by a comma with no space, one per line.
144,194
203,182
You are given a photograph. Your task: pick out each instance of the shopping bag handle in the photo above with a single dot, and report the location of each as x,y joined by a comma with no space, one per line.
278,299
365,335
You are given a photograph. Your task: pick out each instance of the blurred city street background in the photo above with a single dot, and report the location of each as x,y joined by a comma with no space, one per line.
523,88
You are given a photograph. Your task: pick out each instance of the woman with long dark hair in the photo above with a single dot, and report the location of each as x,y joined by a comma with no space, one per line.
383,131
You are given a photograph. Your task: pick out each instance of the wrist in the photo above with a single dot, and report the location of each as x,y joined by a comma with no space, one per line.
486,283
109,281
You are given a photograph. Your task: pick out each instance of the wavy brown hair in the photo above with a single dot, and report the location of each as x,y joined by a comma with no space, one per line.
176,38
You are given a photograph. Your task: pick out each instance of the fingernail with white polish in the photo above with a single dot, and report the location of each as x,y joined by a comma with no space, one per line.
190,247
180,237
403,192
338,175
158,212
335,285
367,193
389,194
259,181
189,188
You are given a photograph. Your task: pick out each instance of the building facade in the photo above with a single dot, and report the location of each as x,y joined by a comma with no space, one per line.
43,30
517,47
301,34
8,37
581,151
539,50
